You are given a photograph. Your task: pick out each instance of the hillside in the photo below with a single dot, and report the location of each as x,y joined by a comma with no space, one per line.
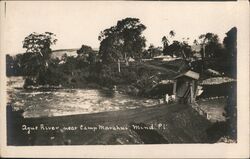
70,52
61,52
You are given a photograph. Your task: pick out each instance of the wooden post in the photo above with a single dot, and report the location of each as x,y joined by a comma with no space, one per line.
194,89
174,91
174,88
119,66
191,92
203,57
197,90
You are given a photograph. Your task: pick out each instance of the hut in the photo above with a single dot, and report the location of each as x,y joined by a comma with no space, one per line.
185,87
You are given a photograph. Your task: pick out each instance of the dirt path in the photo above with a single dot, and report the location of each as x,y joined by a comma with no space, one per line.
159,124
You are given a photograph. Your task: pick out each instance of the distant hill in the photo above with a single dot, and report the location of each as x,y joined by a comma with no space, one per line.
59,53
70,52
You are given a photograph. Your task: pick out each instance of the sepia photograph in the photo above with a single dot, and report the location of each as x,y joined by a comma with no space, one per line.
120,73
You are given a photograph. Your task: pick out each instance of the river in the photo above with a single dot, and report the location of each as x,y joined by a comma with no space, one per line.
61,102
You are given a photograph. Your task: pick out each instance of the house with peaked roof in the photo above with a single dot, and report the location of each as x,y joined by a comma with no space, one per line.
185,87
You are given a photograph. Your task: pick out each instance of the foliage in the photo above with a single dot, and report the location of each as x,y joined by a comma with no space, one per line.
87,54
179,49
211,44
108,76
110,49
13,67
151,52
70,64
35,60
230,43
166,41
117,43
176,48
172,33
32,64
39,43
218,56
122,41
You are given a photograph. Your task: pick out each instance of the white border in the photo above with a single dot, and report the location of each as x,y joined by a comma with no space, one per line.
241,149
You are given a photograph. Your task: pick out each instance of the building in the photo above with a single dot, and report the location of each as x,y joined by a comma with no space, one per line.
185,87
165,58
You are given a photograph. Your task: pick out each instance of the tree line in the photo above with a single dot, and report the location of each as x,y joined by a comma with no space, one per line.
119,44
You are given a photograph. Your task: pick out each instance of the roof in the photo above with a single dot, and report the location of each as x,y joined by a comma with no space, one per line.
190,74
162,56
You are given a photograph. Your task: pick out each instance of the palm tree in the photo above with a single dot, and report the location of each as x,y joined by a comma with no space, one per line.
195,42
165,42
172,33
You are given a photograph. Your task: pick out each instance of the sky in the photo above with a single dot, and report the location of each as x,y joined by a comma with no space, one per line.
80,22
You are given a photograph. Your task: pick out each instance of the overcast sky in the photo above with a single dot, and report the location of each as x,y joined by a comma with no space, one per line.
76,23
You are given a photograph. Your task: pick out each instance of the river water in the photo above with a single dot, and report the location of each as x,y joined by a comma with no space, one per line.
69,101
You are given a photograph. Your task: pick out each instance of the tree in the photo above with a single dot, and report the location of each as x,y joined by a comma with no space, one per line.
186,50
172,33
211,49
122,41
210,45
153,51
84,50
179,49
10,62
35,60
230,43
165,43
87,54
39,43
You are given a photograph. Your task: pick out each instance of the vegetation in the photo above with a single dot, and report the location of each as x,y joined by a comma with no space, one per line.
87,55
151,52
119,44
111,65
122,41
35,61
230,44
